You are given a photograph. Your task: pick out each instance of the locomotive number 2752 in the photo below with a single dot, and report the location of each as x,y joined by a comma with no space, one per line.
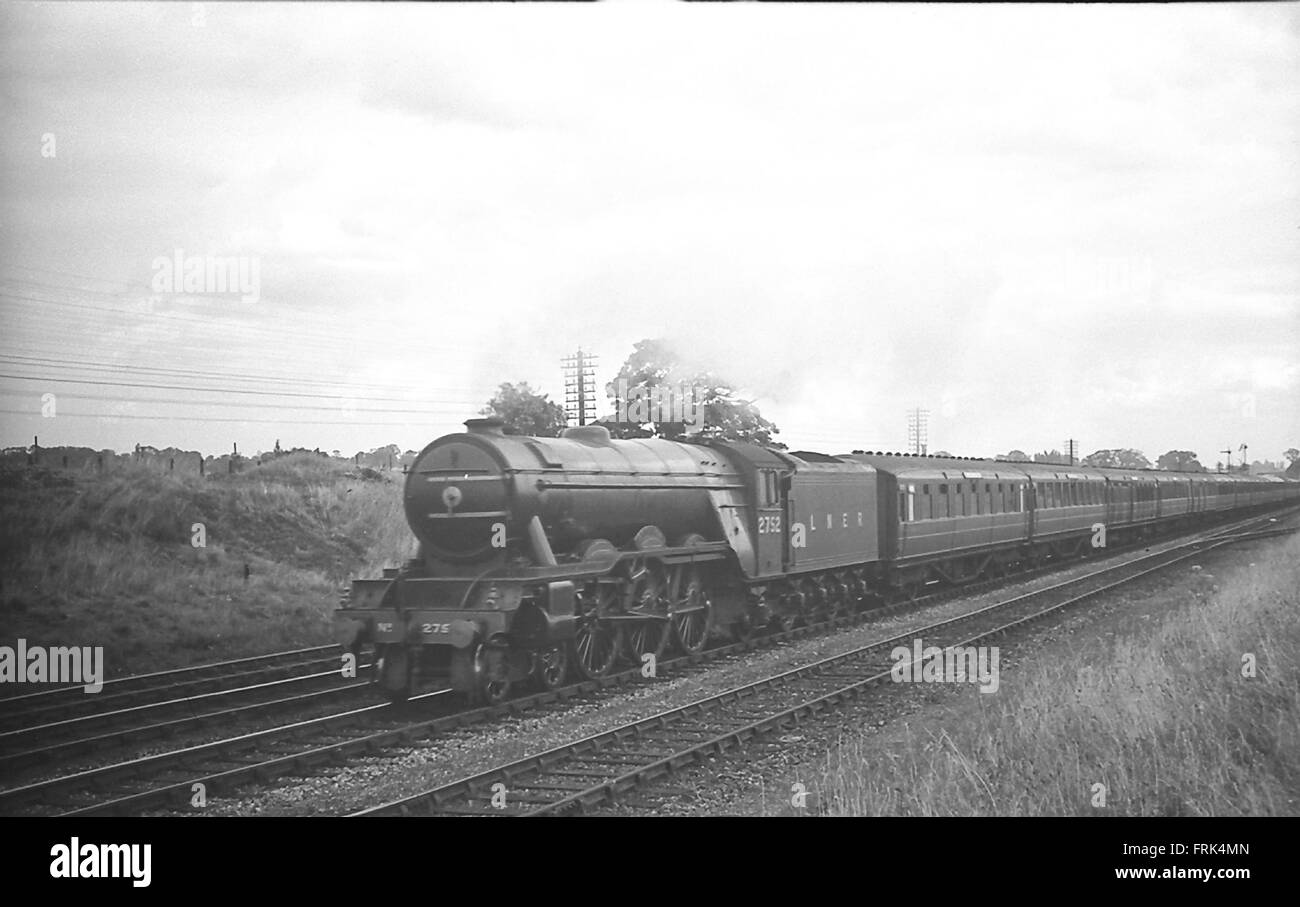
768,524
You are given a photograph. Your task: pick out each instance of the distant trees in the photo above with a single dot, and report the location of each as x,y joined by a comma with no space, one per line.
525,412
1122,457
1179,461
1291,454
1051,456
1018,455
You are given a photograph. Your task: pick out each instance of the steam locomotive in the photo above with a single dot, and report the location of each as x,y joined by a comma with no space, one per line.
544,557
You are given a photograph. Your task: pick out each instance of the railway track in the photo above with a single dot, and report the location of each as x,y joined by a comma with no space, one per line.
133,725
164,779
605,768
67,702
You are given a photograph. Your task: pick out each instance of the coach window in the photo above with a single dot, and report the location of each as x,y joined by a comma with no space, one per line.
941,501
902,506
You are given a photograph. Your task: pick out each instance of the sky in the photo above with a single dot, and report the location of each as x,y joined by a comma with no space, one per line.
1035,223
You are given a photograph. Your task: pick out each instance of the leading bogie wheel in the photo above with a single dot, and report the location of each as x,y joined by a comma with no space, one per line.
550,666
486,690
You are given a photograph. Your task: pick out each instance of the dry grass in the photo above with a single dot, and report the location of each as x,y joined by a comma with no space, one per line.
109,561
1162,717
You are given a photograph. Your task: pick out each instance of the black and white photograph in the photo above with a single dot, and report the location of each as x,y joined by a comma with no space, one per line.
649,409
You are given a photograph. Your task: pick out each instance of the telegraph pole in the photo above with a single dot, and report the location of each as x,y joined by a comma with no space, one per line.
580,386
918,435
1071,450
1229,453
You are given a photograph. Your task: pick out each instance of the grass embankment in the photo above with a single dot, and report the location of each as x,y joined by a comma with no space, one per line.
109,560
1163,717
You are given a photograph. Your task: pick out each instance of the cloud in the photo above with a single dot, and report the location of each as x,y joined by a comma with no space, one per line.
1038,223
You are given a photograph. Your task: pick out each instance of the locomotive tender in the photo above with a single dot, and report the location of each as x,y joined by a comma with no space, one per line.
541,556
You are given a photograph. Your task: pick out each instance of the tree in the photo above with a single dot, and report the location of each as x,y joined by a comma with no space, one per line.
1013,455
1121,457
1052,456
525,412
656,394
1291,455
1179,461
